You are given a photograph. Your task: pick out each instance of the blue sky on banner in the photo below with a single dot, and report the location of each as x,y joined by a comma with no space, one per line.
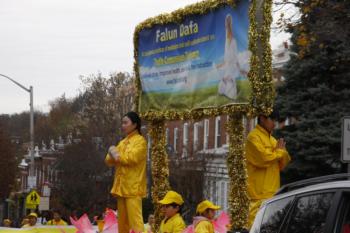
211,23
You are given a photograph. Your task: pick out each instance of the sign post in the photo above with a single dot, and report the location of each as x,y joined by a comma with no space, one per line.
345,142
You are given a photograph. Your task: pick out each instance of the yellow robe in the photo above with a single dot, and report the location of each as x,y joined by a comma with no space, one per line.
204,226
54,223
130,175
173,225
130,184
264,164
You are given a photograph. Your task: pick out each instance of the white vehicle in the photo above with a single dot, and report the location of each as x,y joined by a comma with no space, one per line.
317,205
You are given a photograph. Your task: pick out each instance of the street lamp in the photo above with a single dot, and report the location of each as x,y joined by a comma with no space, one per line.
23,164
30,90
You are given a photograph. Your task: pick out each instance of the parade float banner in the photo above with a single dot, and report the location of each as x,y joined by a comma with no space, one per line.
200,62
195,63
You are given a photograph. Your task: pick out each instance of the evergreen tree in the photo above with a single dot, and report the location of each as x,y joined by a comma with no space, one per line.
316,92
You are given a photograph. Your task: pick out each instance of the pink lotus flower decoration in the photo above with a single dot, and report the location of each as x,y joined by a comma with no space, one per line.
220,224
111,222
84,225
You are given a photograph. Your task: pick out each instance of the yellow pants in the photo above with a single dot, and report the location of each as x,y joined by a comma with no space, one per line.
130,214
254,207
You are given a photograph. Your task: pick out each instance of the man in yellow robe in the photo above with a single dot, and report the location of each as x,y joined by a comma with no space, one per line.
266,158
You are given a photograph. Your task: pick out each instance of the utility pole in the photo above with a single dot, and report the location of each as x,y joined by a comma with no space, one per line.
30,90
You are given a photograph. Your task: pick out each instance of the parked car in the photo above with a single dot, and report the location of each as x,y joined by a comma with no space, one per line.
317,205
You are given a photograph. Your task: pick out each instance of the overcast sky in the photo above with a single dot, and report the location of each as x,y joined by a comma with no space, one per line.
49,43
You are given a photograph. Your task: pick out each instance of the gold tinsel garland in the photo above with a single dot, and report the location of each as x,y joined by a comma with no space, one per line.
253,74
268,100
236,165
196,114
263,90
160,171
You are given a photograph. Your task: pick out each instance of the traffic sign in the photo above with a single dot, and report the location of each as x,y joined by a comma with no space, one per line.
345,142
32,200
31,181
44,203
31,207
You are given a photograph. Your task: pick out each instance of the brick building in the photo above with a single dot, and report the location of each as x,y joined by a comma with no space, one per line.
201,146
46,176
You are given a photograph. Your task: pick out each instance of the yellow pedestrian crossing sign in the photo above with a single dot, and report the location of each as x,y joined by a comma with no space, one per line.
32,200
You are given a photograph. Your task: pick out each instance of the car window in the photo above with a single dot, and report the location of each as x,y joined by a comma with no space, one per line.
257,221
344,214
346,222
274,214
310,213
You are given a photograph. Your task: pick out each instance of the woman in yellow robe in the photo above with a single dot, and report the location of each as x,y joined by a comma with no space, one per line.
129,158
